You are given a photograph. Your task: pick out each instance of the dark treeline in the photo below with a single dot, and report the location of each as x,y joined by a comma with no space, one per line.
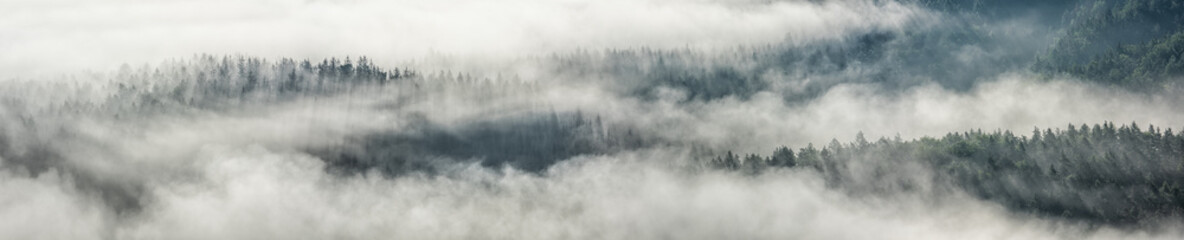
207,81
201,82
223,82
1101,173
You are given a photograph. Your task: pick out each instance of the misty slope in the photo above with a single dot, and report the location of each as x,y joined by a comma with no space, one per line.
597,119
1103,174
1132,44
45,130
1126,43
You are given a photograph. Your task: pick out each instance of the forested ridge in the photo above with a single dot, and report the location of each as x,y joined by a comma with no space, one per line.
1134,43
1101,173
201,82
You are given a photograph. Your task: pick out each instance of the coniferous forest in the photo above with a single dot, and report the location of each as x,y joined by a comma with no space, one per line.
582,119
1101,173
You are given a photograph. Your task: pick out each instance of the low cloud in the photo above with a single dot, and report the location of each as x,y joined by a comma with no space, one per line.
244,173
52,37
140,154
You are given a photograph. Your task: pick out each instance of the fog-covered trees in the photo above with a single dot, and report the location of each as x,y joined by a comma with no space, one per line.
207,80
1101,172
1131,43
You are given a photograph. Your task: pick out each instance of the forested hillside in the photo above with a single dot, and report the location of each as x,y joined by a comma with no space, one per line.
592,119
1101,173
1135,43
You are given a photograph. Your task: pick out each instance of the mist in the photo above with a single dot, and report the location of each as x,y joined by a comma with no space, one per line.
533,119
103,35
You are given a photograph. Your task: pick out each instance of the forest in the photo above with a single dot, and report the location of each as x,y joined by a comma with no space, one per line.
1101,173
597,119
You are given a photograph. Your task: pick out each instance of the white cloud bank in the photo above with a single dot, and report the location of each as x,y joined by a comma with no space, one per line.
56,36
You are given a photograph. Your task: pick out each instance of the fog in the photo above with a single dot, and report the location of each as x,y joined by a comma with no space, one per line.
103,35
495,122
244,173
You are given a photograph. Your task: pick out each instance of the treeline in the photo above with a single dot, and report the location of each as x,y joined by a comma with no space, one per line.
220,82
1101,173
208,80
201,82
